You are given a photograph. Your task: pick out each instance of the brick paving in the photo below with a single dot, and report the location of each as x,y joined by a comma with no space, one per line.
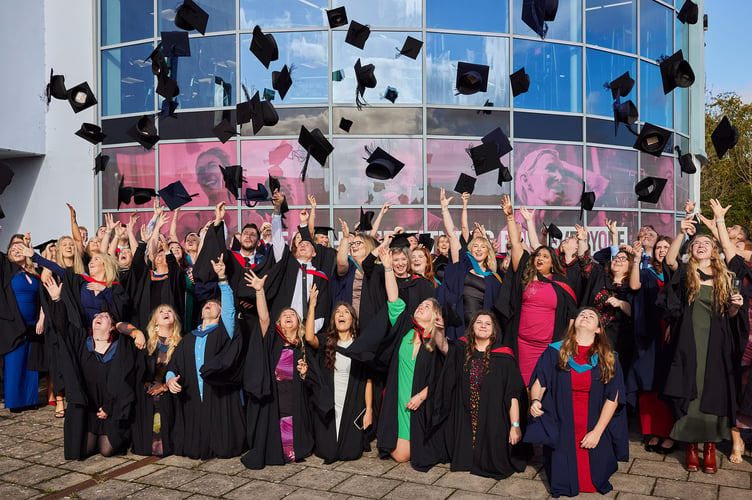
32,466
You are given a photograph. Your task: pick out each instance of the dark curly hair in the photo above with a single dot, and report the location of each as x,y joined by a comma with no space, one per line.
470,340
332,336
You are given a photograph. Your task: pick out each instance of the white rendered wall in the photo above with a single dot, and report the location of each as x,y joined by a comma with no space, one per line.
35,200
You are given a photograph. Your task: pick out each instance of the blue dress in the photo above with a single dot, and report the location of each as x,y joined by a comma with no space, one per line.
22,384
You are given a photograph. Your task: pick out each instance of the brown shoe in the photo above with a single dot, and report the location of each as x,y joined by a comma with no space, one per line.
709,465
693,457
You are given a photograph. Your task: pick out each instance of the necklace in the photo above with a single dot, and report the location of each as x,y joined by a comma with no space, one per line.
101,340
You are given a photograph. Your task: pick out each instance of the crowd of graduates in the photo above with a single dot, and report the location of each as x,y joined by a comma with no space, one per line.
244,345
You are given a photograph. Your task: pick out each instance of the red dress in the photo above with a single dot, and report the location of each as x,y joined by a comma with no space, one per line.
537,318
580,400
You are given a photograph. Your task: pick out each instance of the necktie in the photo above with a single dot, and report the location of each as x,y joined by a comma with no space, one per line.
304,294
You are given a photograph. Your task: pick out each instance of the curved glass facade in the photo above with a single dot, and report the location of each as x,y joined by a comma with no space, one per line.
561,129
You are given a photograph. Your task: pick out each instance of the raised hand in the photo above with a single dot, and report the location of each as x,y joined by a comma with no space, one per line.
53,288
689,206
385,255
385,207
219,213
313,295
254,281
219,266
345,228
506,205
444,200
611,225
465,198
312,201
687,226
719,212
527,214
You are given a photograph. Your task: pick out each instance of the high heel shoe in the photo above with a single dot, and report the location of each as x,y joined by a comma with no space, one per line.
709,465
693,457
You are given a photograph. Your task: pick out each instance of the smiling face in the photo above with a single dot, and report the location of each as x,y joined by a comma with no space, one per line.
101,324
442,245
96,266
191,242
15,252
483,327
67,247
125,258
357,249
479,249
211,311
176,250
322,239
419,262
401,264
165,317
343,320
660,250
288,320
587,321
248,239
548,181
208,174
543,262
702,247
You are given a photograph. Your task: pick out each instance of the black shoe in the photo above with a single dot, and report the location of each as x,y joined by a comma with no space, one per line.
652,447
665,450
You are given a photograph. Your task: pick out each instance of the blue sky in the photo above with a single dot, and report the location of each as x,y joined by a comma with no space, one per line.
728,63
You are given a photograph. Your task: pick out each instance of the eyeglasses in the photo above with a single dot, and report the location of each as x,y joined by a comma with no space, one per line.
355,244
621,258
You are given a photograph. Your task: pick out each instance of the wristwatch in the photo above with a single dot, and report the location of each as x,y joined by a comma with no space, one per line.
515,424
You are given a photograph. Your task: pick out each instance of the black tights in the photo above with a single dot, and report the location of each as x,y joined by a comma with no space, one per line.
102,443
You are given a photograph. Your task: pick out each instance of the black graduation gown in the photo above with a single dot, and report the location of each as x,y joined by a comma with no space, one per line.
12,326
171,292
427,447
118,403
555,428
491,456
352,441
129,278
214,426
728,337
509,303
143,418
262,411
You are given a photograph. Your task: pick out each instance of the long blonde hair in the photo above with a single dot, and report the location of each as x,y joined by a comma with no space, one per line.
428,331
299,334
111,268
722,277
173,334
490,257
78,263
601,346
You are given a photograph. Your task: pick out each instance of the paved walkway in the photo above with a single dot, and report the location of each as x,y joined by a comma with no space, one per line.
32,466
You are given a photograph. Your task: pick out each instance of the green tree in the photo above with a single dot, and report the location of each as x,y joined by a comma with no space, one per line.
729,179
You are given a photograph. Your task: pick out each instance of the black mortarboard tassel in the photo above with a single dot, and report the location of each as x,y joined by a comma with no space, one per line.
190,16
91,132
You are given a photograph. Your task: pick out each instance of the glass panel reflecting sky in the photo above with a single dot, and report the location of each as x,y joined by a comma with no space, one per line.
126,20
282,14
612,24
444,51
384,13
127,81
207,78
566,26
402,73
555,75
483,15
655,107
135,166
615,173
603,67
306,52
656,30
221,14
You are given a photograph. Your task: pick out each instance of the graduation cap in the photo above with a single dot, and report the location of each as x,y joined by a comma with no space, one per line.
269,94
471,78
554,233
91,132
366,219
168,109
81,97
264,47
411,48
357,34
159,67
485,158
366,79
274,185
224,130
167,87
338,75
382,165
56,87
391,94
337,17
254,196
649,189
233,177
316,145
500,139
621,85
262,113
425,240
243,110
281,81
176,44
139,195
724,137
465,184
520,82
690,163
6,175
624,112
144,132
345,124
504,176
689,13
652,139
190,16
587,200
42,246
100,163
535,13
400,240
676,72
175,196
323,230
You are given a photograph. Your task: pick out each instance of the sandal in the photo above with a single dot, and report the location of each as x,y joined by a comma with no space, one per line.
59,413
736,454
60,408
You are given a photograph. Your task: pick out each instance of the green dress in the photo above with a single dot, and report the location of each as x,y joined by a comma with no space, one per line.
405,384
696,426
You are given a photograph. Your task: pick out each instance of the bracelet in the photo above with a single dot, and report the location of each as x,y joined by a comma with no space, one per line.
516,424
534,400
223,280
388,269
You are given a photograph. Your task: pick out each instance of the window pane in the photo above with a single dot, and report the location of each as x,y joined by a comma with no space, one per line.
409,218
127,81
554,71
402,73
655,106
196,165
602,132
567,26
133,164
682,188
547,175
482,15
444,51
467,122
446,159
282,14
385,13
659,167
656,30
601,68
207,78
221,14
662,222
682,109
290,120
547,127
612,175
626,225
191,221
389,121
564,220
352,187
126,20
307,52
284,159
612,25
